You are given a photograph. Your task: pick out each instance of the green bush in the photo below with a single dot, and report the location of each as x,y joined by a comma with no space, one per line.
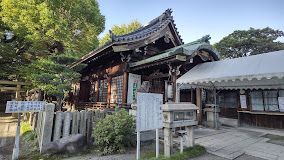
26,132
115,132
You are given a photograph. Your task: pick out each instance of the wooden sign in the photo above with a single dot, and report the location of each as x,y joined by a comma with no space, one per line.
134,83
149,111
24,106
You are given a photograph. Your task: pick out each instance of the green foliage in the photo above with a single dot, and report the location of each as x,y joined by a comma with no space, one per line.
191,152
26,132
52,74
121,30
42,29
76,24
115,132
242,43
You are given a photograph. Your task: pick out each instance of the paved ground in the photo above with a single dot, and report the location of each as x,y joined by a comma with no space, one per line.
231,143
7,134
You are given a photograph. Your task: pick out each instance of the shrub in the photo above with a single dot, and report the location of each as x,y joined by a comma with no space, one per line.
26,132
115,132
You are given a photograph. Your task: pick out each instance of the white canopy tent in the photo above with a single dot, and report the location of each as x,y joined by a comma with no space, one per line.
263,71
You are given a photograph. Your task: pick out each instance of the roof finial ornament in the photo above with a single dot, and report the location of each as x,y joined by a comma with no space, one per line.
205,39
166,15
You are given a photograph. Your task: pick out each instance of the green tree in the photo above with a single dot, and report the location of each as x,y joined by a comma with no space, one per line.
53,24
52,74
242,43
40,38
121,30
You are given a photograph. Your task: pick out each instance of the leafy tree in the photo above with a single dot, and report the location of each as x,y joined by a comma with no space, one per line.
121,30
54,24
242,43
46,37
52,74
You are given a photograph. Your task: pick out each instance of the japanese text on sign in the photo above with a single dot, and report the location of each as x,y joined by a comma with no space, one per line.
149,111
24,106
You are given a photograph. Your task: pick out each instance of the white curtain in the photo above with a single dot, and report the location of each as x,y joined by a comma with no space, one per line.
257,101
270,101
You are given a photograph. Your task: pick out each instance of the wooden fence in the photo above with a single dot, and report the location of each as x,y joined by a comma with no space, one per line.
51,126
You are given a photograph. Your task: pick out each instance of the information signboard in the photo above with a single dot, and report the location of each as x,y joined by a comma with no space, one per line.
24,106
149,111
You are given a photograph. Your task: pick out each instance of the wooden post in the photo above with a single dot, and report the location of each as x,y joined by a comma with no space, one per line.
125,88
199,105
174,79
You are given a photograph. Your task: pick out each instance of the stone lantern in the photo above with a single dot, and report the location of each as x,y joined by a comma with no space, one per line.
178,115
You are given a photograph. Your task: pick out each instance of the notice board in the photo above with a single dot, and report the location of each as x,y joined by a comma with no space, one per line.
24,106
149,111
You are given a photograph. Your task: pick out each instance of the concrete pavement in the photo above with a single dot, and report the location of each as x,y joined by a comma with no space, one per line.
231,143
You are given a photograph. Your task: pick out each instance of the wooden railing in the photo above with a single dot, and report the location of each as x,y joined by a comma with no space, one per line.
100,105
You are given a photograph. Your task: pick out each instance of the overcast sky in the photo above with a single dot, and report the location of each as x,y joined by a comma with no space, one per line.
196,18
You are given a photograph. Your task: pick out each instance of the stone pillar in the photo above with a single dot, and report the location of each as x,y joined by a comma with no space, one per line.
75,121
58,125
67,124
189,136
83,122
168,142
47,124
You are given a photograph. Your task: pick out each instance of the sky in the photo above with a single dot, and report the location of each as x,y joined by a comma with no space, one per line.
196,18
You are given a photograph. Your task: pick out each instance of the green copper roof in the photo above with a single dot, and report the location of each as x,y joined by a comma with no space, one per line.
185,49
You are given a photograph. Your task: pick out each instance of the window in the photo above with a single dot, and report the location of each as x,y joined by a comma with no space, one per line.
228,99
270,100
103,91
93,92
116,89
257,101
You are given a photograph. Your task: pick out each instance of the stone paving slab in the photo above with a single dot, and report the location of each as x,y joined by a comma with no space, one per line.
232,143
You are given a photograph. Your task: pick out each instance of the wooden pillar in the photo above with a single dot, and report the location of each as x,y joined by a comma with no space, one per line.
97,88
199,105
109,89
174,79
125,87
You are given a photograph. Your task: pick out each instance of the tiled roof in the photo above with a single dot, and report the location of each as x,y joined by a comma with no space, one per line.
154,26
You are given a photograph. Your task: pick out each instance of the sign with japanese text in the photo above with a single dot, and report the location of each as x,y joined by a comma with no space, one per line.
134,83
149,111
24,106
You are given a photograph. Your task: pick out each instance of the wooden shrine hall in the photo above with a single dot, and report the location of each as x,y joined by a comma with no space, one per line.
155,53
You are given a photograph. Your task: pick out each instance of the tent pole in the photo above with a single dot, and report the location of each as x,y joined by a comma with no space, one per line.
215,107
